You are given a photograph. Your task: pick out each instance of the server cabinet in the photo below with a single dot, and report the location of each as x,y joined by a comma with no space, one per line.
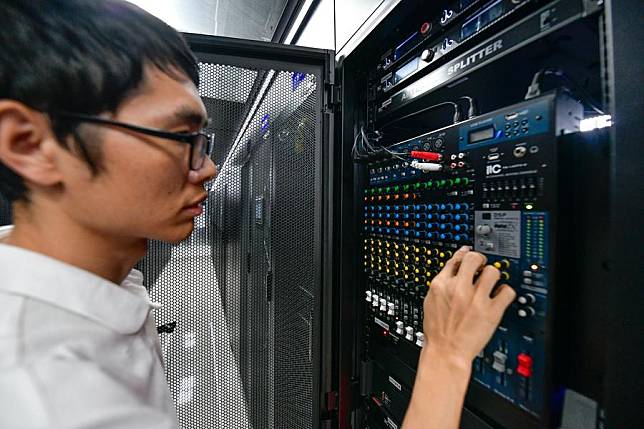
247,289
425,54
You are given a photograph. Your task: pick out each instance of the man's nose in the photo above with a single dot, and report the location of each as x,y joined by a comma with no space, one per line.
207,172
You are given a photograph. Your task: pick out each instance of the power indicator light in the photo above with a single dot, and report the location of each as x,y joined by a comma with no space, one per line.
529,206
534,267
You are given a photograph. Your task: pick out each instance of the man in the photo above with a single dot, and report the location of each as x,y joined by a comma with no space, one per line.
100,150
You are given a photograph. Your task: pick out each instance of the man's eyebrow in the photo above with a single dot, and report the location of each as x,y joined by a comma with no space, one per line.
186,114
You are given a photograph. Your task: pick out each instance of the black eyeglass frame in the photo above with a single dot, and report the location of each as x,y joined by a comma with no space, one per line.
188,138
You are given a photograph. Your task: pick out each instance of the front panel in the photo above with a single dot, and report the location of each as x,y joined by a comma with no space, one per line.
496,191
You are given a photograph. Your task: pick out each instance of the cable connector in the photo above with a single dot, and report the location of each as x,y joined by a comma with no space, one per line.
534,90
427,156
425,166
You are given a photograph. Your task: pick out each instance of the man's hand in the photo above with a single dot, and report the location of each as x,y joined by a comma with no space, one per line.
460,318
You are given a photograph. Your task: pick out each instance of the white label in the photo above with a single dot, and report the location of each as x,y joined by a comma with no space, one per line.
391,423
381,323
395,383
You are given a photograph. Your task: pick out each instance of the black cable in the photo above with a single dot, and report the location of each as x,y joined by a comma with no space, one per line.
457,113
534,90
473,108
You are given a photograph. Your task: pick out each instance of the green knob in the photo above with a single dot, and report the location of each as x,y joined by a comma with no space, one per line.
396,188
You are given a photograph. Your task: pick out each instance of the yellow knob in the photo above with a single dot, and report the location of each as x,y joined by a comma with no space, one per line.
505,275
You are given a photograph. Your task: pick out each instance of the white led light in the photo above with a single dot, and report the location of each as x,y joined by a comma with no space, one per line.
595,122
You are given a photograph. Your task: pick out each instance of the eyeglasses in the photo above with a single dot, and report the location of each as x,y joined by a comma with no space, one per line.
201,144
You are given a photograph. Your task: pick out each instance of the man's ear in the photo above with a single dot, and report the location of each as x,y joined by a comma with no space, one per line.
27,144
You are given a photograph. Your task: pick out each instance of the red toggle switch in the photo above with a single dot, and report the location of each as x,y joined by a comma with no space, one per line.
524,366
428,156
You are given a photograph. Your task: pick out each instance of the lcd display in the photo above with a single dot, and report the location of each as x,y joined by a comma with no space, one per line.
481,135
405,46
482,19
406,70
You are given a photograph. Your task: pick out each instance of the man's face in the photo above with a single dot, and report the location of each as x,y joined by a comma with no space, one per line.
143,190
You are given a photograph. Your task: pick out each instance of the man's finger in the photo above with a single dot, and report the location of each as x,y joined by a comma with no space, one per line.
504,296
486,281
471,263
451,266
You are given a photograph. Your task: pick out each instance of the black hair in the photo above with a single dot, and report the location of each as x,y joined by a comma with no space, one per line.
83,56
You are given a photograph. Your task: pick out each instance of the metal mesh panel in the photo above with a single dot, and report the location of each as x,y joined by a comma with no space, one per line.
242,288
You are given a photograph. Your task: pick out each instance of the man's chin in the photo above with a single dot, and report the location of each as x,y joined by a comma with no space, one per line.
176,236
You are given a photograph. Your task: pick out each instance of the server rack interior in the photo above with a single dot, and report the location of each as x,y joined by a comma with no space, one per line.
461,126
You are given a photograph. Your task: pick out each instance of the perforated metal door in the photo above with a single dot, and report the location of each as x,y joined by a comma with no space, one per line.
244,289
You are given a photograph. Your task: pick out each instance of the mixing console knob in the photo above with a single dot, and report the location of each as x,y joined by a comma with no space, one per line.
445,217
400,326
461,237
525,312
461,206
446,226
420,339
421,225
505,275
461,228
446,236
461,217
391,309
383,304
409,333
368,297
526,299
484,229
502,264
427,55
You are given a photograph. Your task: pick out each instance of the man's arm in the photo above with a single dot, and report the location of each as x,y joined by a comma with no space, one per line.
460,318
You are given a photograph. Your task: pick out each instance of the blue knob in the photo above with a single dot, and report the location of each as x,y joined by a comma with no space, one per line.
429,235
387,208
406,208
397,216
430,216
443,207
461,217
445,217
388,215
407,232
449,206
417,233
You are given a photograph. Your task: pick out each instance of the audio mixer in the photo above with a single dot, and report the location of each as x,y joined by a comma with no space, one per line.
490,182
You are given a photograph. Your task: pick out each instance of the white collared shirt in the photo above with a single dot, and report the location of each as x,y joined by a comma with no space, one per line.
77,351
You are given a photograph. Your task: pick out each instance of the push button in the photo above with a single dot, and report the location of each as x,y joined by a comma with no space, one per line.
524,366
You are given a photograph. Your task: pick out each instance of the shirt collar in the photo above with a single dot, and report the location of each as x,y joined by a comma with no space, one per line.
123,308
